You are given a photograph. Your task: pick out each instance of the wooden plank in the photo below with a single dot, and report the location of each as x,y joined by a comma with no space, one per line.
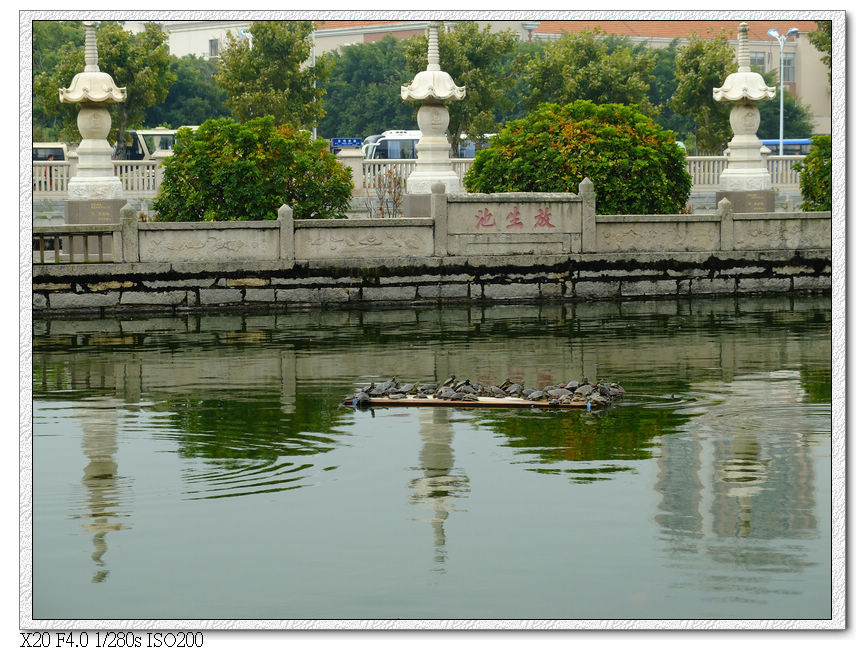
482,402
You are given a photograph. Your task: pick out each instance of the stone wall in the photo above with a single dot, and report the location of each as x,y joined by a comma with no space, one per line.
483,247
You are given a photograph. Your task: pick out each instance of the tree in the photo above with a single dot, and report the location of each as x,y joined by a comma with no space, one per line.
363,92
475,59
193,98
589,66
636,166
265,74
701,65
798,119
227,171
139,62
815,175
822,42
662,88
516,96
49,37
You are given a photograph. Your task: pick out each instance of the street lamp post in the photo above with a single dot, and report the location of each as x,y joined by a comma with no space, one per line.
781,40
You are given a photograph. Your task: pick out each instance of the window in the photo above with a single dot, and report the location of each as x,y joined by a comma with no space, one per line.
789,63
214,47
758,62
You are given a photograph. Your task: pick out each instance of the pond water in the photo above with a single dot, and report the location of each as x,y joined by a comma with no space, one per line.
204,467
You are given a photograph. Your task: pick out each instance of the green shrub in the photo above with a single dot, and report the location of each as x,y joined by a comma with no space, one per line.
635,165
228,171
815,175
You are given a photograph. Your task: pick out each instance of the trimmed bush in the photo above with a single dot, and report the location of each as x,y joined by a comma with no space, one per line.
635,165
228,171
815,175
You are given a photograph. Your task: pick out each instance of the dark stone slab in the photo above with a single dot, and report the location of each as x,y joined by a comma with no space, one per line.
95,211
416,205
92,211
746,201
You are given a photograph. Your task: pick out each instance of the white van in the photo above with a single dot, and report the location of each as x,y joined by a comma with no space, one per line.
401,145
44,151
150,144
397,144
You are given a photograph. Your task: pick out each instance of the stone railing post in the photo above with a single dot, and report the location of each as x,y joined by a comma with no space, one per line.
126,239
158,176
286,233
725,214
589,237
439,213
353,159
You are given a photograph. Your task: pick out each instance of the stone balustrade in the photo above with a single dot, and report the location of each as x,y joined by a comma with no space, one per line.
472,247
141,179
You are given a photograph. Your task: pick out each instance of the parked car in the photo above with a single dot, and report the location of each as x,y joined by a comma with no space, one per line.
150,144
44,151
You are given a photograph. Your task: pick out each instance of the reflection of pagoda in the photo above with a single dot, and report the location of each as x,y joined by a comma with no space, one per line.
99,444
439,483
732,477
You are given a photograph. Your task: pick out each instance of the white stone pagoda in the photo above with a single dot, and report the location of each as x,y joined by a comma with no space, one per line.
746,167
433,87
95,179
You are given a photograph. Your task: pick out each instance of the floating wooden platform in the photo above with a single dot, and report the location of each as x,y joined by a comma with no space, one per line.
482,402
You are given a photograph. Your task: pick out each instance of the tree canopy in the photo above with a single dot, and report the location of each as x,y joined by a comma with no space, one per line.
635,165
701,65
822,41
193,98
265,73
363,91
228,171
590,66
475,58
139,62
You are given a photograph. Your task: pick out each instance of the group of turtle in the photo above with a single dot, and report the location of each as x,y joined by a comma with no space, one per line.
453,390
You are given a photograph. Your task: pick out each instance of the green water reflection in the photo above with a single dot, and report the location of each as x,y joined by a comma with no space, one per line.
714,442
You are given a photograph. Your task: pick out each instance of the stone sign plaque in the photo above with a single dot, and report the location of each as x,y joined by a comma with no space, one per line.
100,211
747,201
95,211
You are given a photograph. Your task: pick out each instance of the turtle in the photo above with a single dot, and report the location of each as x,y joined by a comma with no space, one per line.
447,393
469,397
536,396
616,390
559,393
361,399
504,385
583,390
571,385
597,398
515,390
495,391
467,389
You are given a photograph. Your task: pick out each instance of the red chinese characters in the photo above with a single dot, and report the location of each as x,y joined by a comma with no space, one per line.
542,219
514,219
485,219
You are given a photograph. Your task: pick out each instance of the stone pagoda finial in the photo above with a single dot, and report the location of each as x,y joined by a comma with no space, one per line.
432,53
743,84
91,86
744,54
91,56
433,83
